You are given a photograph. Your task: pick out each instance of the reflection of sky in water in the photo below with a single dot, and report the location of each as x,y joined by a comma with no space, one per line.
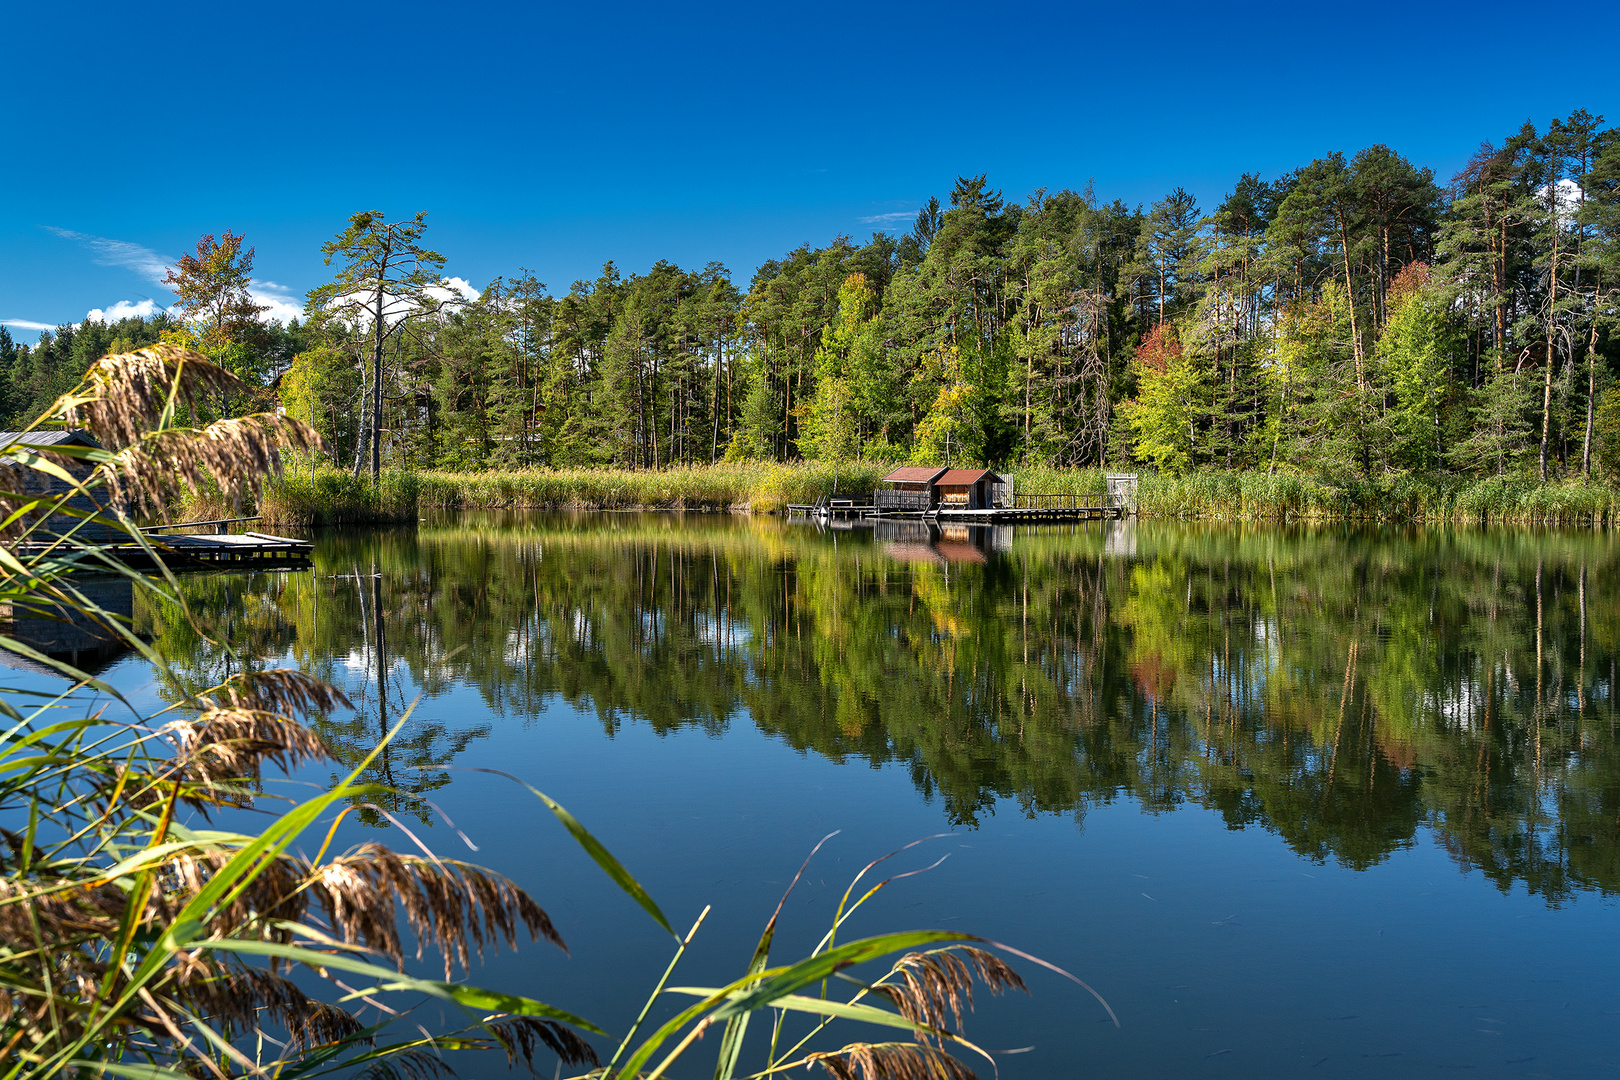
1162,794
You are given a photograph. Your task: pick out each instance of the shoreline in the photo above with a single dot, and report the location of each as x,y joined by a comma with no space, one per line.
305,498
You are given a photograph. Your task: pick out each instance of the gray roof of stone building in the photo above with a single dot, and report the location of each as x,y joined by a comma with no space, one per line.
61,437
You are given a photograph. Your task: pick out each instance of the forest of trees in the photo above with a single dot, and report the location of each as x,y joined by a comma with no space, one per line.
1349,318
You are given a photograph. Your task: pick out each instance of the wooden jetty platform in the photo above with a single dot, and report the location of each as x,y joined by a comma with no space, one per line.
1016,510
245,551
979,496
834,508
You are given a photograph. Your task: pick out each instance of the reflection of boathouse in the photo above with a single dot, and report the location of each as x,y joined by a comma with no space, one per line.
66,633
916,541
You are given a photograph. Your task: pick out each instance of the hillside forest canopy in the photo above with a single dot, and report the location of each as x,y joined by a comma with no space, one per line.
1350,318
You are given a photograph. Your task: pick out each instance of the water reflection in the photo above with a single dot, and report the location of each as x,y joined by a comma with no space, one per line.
67,633
1341,688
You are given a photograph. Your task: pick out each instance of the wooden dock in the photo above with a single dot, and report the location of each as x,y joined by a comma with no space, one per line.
245,551
1029,509
834,508
1024,509
235,551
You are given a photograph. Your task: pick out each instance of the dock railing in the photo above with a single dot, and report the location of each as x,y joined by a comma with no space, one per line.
902,500
218,524
1058,502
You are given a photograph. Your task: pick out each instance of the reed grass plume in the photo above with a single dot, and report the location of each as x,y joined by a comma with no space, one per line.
932,988
283,690
127,395
233,456
232,744
890,1061
450,904
127,937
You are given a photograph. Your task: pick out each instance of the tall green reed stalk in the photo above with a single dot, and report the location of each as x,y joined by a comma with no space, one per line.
134,944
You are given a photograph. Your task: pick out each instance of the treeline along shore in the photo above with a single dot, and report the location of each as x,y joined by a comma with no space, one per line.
1353,338
307,497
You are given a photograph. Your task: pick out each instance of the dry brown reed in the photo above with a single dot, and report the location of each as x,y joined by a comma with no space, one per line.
935,985
411,1065
235,455
450,903
234,998
283,690
77,943
127,394
232,744
272,895
891,1061
521,1036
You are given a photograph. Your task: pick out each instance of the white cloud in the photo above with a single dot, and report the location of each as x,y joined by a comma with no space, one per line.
124,309
27,324
279,300
143,260
1569,199
890,218
357,310
459,287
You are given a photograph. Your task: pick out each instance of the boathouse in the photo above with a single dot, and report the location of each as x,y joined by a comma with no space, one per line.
35,482
972,489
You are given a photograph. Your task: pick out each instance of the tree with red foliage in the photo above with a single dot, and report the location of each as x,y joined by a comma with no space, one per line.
212,287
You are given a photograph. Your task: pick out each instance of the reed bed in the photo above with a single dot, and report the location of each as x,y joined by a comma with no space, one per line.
1256,496
313,497
323,496
751,486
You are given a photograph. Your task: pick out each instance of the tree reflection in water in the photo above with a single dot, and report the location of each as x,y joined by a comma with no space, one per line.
1340,687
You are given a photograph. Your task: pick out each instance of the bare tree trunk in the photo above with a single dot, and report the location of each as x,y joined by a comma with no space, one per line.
714,408
1350,298
360,434
1552,314
1591,393
376,395
377,332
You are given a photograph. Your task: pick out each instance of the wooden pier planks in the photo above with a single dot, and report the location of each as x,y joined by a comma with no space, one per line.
233,551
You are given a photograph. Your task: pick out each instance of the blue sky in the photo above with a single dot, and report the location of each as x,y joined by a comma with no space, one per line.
555,137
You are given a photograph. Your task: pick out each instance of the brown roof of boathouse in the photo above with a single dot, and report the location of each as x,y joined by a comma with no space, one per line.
965,477
914,474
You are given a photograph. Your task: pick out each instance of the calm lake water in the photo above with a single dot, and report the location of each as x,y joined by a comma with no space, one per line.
1296,802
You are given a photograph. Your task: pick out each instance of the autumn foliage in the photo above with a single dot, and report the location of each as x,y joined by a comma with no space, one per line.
1412,278
1160,349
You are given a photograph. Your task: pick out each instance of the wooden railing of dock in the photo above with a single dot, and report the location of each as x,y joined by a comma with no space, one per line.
1059,502
902,500
218,523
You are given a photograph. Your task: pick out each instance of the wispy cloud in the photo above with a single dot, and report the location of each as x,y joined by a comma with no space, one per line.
109,252
27,324
890,218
